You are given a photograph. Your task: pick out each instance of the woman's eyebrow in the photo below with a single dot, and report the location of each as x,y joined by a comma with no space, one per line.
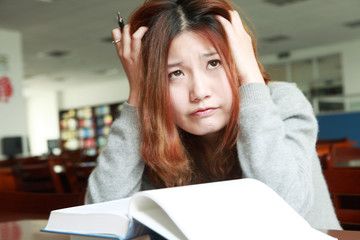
206,55
174,64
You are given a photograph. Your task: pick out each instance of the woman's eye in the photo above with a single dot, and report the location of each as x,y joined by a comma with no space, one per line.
214,63
175,74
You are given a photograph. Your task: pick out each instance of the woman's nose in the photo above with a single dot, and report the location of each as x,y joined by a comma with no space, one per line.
199,89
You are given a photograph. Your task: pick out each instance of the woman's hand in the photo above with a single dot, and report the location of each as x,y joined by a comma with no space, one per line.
242,49
129,51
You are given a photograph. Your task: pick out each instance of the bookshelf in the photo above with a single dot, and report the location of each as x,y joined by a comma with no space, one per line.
87,128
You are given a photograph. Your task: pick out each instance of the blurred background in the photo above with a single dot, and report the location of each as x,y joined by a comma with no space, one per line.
62,85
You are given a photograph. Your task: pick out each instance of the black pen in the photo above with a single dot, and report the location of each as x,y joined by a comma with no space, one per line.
120,21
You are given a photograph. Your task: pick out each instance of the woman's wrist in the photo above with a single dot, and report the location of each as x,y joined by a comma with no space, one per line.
253,77
132,100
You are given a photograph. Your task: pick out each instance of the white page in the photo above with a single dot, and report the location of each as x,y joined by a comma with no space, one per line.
240,209
119,206
149,212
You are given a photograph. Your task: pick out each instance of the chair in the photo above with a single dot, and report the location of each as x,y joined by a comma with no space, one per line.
77,174
332,141
342,156
37,175
337,153
24,205
324,146
344,187
7,179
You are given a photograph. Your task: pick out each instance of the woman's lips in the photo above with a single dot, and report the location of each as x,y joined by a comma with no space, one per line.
201,112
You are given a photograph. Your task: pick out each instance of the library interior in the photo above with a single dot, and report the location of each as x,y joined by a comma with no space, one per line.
62,86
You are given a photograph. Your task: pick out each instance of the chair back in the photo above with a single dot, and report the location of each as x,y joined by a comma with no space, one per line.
344,154
344,187
37,175
332,141
337,155
77,174
7,179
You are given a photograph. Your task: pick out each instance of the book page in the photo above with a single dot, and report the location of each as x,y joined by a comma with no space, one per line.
152,215
119,206
241,209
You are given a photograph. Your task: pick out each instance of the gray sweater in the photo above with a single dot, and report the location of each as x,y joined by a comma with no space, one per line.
276,145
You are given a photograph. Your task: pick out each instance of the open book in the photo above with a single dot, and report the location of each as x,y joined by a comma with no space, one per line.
235,209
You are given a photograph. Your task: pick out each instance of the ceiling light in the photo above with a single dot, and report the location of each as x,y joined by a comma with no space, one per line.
284,55
58,53
108,72
275,39
282,2
107,39
55,54
46,1
353,24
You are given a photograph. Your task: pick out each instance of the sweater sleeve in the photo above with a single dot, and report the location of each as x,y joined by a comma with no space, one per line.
119,169
276,145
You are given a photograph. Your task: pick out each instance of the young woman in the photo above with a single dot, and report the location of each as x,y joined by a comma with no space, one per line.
201,109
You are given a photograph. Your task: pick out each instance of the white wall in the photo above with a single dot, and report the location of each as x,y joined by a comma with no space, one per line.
13,113
351,67
43,120
95,94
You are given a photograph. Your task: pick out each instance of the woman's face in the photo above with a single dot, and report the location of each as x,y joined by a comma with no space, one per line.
200,92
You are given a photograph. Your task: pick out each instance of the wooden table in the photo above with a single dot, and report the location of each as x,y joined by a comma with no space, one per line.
343,235
30,230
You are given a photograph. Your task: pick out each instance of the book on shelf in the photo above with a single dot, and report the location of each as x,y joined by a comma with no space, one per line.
234,209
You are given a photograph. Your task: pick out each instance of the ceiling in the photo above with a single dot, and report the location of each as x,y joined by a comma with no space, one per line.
67,42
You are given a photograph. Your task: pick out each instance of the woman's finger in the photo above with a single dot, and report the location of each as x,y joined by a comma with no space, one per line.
224,22
229,29
140,32
116,35
136,39
242,49
126,42
237,22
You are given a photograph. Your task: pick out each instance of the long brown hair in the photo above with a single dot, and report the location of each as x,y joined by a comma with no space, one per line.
173,156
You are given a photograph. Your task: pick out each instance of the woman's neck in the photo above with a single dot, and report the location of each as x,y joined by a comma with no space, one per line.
210,143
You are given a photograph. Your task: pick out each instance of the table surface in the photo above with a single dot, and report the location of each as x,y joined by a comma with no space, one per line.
30,230
343,235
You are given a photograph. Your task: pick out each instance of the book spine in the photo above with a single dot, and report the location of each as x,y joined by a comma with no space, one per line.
137,229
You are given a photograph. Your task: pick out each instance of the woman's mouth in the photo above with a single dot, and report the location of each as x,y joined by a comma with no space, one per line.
202,112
